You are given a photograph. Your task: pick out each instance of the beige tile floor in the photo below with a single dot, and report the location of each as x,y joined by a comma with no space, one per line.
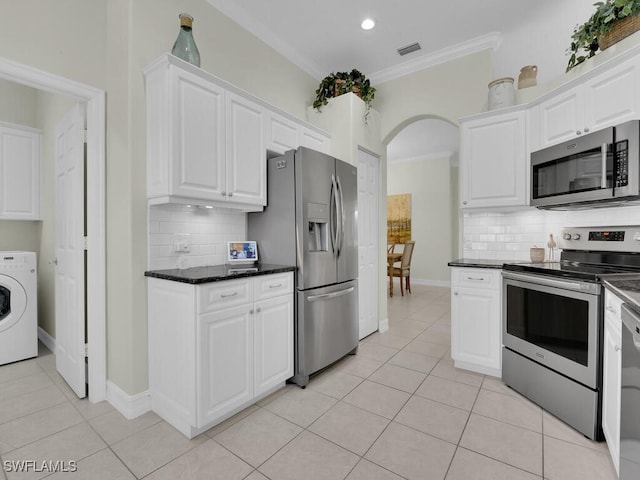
398,409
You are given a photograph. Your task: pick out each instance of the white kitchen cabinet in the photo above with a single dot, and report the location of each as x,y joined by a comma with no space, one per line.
286,134
476,337
282,133
185,134
225,346
315,140
207,140
205,143
216,348
20,160
599,101
611,370
493,160
246,151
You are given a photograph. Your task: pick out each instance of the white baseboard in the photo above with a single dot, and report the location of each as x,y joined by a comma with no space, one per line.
47,340
432,283
383,325
130,406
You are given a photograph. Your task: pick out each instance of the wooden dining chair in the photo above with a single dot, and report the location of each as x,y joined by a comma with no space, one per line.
404,270
390,247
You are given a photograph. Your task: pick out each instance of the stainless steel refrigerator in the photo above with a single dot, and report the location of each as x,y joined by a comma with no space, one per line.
311,221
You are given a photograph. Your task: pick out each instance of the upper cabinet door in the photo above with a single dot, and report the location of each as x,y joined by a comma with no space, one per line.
612,97
493,161
561,118
19,173
197,137
282,134
246,151
317,141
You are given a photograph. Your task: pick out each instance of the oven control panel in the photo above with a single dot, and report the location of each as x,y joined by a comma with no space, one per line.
612,239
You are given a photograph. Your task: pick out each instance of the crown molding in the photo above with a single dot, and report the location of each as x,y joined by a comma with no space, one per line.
477,44
239,15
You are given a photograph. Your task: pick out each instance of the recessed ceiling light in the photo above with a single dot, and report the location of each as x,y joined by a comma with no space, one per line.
367,24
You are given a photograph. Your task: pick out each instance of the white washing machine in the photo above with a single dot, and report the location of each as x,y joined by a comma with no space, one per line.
18,306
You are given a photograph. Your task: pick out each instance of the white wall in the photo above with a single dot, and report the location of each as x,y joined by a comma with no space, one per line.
209,231
429,182
509,236
542,40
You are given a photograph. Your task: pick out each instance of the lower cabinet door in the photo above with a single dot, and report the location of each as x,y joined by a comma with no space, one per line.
273,342
611,359
225,362
475,327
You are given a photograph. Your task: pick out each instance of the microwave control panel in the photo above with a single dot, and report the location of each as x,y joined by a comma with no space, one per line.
622,163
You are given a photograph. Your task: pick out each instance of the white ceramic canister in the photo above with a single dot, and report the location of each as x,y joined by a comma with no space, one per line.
501,93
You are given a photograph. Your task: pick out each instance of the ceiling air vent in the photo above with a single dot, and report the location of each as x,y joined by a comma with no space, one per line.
409,48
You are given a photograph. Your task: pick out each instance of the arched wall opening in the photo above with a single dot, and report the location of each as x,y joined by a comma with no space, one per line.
422,161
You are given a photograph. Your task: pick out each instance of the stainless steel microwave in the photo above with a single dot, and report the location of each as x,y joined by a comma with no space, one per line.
592,170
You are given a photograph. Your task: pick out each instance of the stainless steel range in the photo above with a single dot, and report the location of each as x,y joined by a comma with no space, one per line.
553,322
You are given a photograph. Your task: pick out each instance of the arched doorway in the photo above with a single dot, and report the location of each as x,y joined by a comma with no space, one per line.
422,161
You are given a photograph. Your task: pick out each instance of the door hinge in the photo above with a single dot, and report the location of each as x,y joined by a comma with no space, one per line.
86,243
86,350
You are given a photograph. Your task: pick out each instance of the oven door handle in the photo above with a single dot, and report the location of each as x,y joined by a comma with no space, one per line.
585,287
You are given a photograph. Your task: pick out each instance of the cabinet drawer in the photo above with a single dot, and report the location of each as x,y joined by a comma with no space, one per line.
219,295
269,286
475,278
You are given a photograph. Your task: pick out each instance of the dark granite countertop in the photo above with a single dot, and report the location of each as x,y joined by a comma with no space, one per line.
627,287
217,273
479,263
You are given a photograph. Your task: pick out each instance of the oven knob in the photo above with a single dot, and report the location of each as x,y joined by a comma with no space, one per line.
567,236
576,236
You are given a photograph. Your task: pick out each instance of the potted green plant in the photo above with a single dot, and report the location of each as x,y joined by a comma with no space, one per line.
335,84
597,32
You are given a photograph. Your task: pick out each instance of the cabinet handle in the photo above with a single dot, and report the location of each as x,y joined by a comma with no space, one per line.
617,348
224,194
578,132
251,312
258,310
586,130
476,279
455,293
275,286
464,202
231,194
222,295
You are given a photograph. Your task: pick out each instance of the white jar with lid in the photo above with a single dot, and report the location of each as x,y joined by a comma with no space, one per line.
501,93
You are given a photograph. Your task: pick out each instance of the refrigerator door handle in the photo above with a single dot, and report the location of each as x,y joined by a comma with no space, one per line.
335,206
341,221
325,296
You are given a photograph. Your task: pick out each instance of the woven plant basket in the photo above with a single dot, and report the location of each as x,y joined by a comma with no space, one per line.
621,29
337,92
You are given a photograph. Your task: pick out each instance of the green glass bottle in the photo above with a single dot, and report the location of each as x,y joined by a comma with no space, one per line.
185,46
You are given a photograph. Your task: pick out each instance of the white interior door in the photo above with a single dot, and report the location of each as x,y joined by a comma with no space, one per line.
70,282
368,274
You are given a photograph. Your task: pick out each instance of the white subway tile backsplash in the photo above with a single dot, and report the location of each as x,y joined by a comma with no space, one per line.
509,236
209,231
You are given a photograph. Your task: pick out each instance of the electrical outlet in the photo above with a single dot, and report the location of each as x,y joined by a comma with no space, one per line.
182,242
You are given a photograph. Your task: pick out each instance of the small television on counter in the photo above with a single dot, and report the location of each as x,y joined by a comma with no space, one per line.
242,252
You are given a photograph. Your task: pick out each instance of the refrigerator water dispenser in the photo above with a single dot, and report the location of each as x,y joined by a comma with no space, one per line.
318,234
